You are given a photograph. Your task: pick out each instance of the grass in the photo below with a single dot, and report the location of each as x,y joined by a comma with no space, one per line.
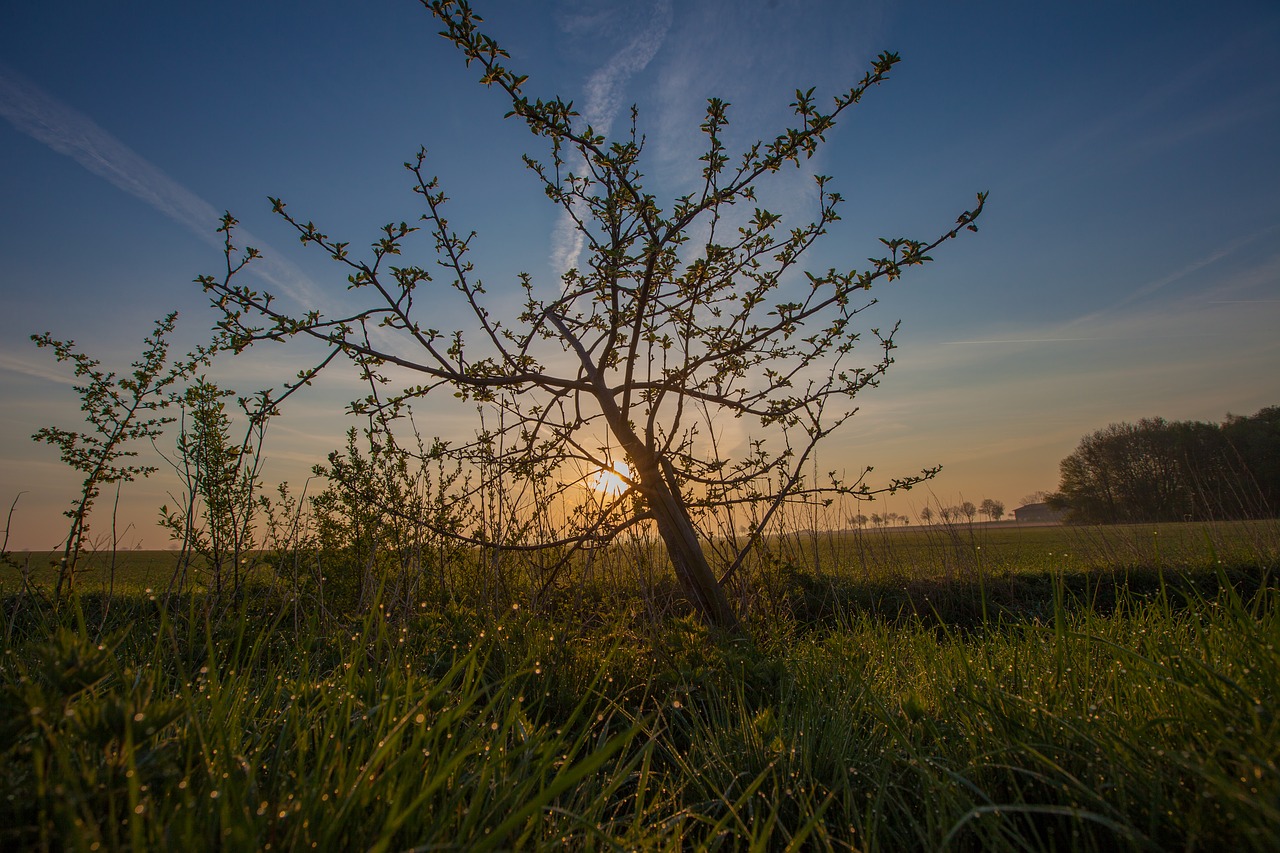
1040,696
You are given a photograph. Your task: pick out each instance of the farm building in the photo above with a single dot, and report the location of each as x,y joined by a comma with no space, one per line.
1040,513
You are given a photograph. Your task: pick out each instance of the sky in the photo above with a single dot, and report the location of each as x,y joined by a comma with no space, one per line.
1127,266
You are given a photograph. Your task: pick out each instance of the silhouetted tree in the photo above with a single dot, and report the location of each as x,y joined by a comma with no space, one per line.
1157,470
1253,444
646,345
992,509
215,517
121,412
1035,498
1122,473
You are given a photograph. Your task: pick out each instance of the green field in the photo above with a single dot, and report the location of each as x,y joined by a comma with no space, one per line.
961,688
942,552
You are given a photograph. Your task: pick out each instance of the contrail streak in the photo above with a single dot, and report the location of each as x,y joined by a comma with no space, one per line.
1021,341
45,373
44,118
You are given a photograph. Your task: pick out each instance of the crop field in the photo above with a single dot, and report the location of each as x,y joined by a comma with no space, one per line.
982,687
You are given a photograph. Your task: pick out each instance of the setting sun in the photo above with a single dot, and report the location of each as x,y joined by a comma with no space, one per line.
613,480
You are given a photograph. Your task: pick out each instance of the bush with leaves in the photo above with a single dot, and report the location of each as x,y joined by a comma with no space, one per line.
214,518
385,530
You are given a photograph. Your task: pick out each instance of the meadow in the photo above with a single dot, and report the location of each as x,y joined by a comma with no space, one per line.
961,687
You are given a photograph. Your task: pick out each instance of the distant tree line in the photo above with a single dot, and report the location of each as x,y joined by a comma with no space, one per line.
1158,470
967,511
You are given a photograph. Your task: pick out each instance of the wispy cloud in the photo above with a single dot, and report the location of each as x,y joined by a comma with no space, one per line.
1123,125
604,91
1190,269
1219,118
1214,339
604,88
1018,341
754,54
43,117
1157,311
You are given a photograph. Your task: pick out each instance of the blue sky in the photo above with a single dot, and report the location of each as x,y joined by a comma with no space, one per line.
1128,264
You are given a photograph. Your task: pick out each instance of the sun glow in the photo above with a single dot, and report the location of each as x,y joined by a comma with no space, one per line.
612,480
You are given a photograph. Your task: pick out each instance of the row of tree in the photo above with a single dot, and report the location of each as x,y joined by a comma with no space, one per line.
1158,470
991,508
967,511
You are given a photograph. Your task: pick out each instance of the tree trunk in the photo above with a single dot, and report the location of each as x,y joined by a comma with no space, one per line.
662,494
677,532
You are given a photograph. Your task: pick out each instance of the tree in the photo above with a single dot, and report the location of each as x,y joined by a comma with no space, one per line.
120,411
215,518
1253,443
1123,472
926,515
1159,470
644,350
992,509
968,510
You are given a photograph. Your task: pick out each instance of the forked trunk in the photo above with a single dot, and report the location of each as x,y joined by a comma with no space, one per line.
661,492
